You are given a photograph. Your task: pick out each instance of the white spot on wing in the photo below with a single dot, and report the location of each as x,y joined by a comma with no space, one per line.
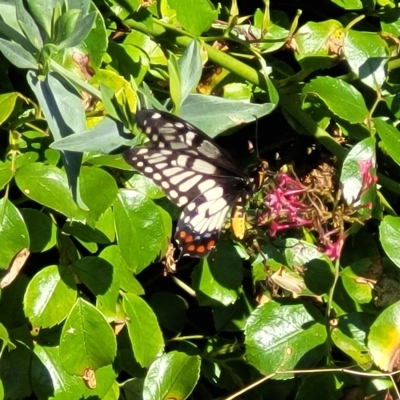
172,171
148,170
203,166
165,185
142,151
161,165
180,177
157,176
187,185
155,160
214,193
139,164
183,200
208,184
156,116
182,160
173,194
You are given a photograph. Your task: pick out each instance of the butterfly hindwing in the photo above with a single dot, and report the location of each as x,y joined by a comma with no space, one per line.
194,173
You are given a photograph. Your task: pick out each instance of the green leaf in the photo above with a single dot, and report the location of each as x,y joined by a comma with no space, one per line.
104,137
318,386
102,184
64,114
127,281
340,97
367,56
389,233
214,114
144,331
217,279
6,174
42,12
73,29
17,55
170,310
140,229
384,338
175,82
49,297
284,337
42,231
28,25
50,379
190,69
390,137
358,172
349,334
96,273
312,41
7,105
349,4
87,340
196,16
354,282
174,375
47,185
13,232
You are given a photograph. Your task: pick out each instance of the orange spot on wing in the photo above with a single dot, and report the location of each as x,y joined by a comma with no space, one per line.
191,247
189,239
201,249
182,234
210,245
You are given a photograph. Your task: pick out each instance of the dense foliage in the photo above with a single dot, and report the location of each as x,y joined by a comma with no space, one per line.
305,306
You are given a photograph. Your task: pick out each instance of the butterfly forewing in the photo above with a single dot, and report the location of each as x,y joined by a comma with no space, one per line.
194,172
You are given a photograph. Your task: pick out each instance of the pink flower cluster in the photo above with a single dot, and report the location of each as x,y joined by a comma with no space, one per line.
290,205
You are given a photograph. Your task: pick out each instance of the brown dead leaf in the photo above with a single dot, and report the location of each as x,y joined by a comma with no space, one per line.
89,378
13,270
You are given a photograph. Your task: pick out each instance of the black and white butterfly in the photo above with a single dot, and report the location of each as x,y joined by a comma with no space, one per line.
194,172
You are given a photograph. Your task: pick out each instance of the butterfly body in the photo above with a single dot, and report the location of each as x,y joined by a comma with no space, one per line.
194,172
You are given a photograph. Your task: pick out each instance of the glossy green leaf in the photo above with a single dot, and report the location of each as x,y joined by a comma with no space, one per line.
42,231
349,4
350,333
390,137
341,98
13,232
174,375
87,340
49,297
140,229
144,331
389,232
312,41
358,172
354,281
217,278
47,185
384,338
170,310
97,181
367,55
126,279
284,337
196,16
7,105
96,273
6,174
50,378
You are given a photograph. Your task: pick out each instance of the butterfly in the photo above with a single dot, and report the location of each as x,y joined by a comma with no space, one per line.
194,172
